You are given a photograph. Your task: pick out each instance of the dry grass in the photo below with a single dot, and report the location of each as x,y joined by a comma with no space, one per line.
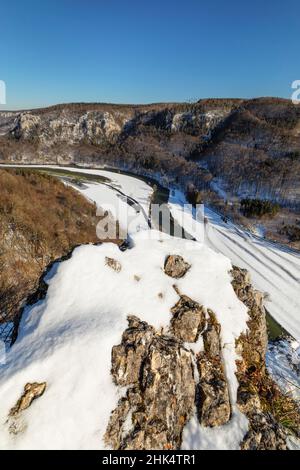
281,405
40,220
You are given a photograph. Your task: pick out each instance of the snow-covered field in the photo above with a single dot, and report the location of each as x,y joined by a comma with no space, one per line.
66,340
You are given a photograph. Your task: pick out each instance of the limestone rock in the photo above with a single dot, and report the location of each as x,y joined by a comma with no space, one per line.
188,319
248,401
16,421
254,343
158,371
264,434
213,402
211,336
162,398
175,266
115,429
31,392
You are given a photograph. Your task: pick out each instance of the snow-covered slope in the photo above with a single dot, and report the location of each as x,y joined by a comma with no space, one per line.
129,185
274,269
66,339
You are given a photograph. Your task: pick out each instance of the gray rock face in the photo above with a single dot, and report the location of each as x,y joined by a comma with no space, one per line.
188,319
211,336
213,402
162,393
175,266
128,356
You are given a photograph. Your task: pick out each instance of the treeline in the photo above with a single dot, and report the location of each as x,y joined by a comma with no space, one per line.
258,207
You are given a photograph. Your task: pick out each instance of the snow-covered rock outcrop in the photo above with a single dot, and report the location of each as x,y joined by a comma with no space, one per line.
170,376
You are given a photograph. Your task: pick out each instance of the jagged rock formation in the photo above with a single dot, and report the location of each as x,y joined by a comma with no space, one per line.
253,344
213,403
128,357
32,391
160,371
188,319
175,266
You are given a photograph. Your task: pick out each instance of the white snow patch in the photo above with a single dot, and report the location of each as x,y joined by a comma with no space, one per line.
227,437
131,219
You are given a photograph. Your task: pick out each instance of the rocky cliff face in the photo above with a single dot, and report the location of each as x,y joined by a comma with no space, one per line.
73,124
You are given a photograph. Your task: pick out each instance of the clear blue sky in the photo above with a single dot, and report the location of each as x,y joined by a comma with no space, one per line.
134,51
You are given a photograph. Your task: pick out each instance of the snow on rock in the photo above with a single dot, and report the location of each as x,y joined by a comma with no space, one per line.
66,340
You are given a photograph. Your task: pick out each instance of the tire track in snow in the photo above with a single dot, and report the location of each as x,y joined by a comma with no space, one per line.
247,263
272,262
260,245
286,258
273,303
262,276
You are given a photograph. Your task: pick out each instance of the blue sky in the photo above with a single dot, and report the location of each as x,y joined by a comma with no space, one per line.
147,51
